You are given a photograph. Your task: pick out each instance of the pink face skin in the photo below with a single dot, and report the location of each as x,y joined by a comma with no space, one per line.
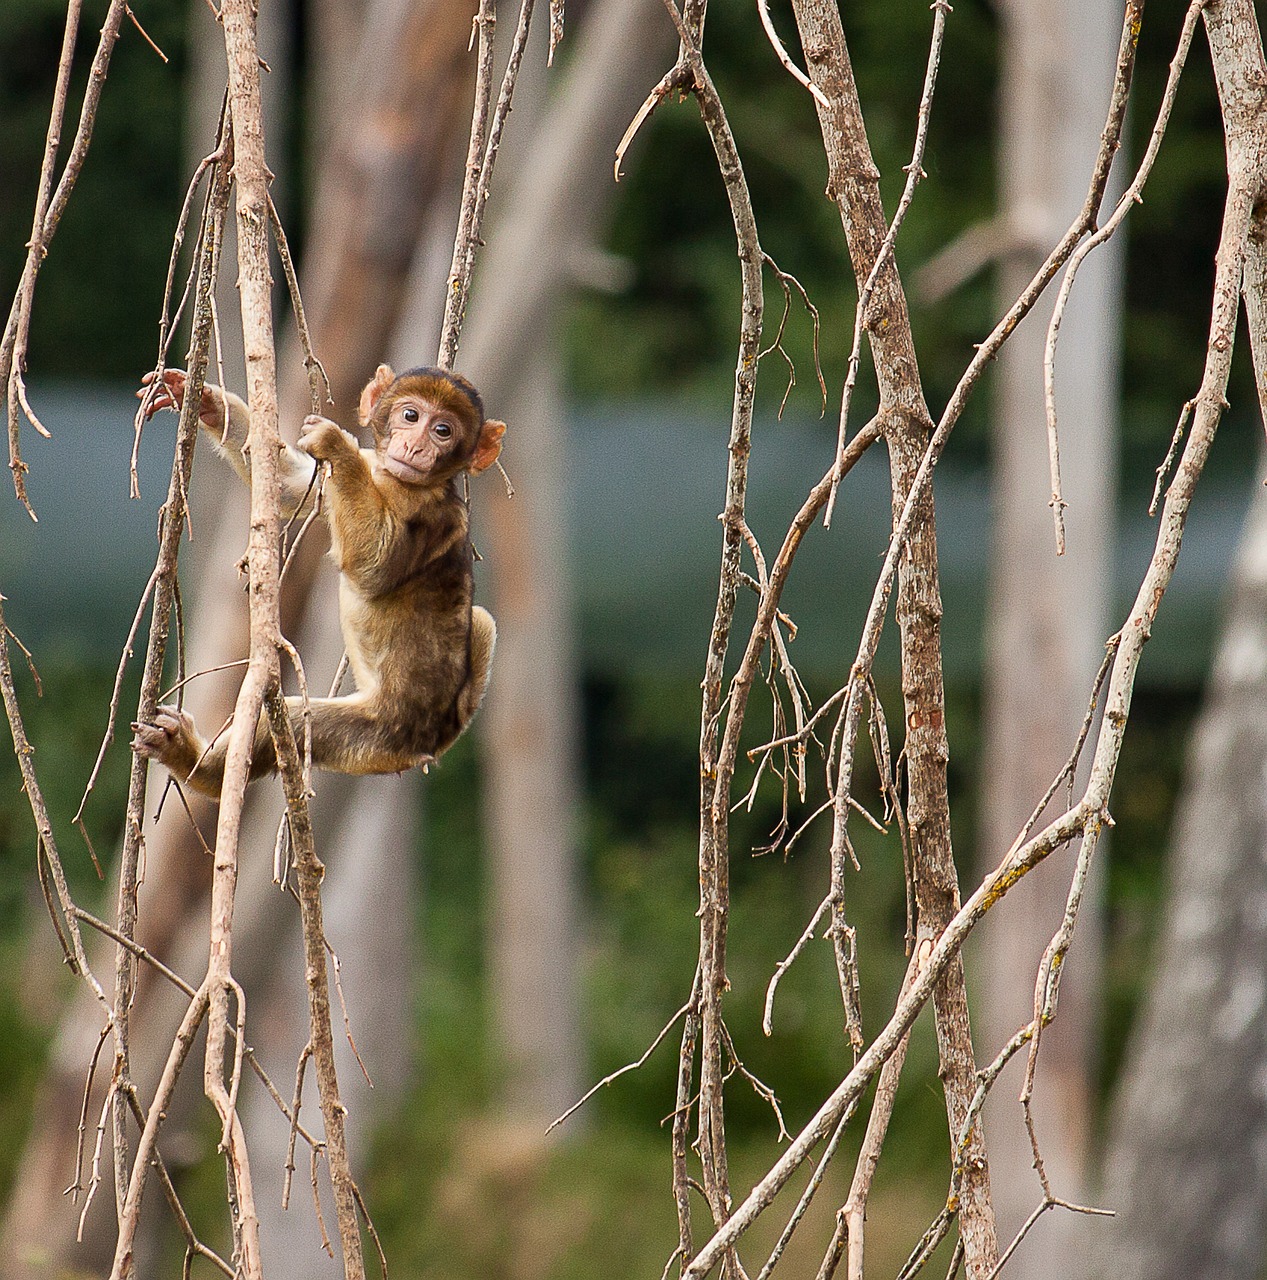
420,439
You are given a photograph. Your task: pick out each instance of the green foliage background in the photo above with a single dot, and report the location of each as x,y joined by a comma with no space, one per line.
671,333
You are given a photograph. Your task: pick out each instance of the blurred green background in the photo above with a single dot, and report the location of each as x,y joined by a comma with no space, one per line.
658,352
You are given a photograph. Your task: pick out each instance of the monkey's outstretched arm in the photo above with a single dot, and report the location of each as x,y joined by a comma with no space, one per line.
227,420
173,740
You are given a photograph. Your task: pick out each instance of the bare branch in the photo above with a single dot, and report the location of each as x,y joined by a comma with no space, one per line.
620,1071
767,23
50,204
1117,112
479,170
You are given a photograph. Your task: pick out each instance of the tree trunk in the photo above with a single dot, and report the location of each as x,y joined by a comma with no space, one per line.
563,186
1187,1163
372,204
1048,615
1187,1170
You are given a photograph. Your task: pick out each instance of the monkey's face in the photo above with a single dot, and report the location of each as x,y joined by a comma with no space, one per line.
428,425
424,442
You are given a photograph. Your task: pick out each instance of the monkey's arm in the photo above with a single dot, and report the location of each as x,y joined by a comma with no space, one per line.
362,528
227,420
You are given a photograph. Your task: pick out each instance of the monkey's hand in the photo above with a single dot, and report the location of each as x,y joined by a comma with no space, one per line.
327,441
169,393
170,739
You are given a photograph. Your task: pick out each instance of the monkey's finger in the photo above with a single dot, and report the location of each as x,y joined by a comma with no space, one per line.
160,398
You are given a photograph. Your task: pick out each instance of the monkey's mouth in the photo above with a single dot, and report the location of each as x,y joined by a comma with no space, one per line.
404,471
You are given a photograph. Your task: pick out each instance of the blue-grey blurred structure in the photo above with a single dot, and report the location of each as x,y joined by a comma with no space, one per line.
645,485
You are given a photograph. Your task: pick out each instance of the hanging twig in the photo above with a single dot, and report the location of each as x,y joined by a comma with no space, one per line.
50,204
714,800
479,170
1117,112
129,1189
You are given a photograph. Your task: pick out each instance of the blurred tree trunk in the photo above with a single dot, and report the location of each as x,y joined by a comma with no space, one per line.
1049,616
384,171
545,241
203,104
1186,1168
1187,1164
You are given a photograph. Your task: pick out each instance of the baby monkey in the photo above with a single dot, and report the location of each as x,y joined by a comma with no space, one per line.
418,649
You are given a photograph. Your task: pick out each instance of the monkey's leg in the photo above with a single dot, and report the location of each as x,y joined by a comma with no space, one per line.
354,735
349,735
173,739
483,642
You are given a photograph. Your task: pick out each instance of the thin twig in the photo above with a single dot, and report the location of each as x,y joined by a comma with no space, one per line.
116,695
620,1071
50,204
767,1020
1126,58
652,100
318,380
914,172
294,1123
767,23
1176,441
481,158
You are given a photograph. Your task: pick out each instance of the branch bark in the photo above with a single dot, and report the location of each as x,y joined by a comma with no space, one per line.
853,183
1176,1165
262,683
50,204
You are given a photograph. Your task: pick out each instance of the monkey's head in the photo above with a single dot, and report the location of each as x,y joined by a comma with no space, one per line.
429,425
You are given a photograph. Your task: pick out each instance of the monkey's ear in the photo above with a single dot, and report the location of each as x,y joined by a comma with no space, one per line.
488,447
374,388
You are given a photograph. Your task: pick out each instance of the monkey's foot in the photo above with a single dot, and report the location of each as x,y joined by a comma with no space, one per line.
169,738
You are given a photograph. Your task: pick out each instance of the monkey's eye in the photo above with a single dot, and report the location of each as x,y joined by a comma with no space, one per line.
443,430
410,414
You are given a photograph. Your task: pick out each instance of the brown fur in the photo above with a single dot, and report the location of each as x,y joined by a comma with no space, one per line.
419,650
